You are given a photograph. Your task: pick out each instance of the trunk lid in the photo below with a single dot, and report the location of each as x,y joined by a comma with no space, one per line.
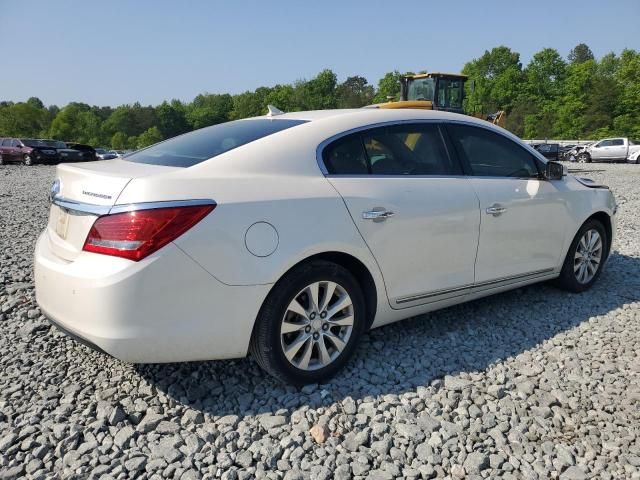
86,191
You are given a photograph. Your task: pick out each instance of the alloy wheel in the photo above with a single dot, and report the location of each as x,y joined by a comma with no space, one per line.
317,325
27,160
588,256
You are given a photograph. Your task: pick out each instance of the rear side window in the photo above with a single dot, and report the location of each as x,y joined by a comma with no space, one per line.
200,145
413,149
346,156
617,142
490,154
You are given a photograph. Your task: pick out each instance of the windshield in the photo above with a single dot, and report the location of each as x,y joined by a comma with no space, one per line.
200,145
32,142
421,89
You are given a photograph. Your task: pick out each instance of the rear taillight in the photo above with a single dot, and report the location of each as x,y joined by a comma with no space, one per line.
134,235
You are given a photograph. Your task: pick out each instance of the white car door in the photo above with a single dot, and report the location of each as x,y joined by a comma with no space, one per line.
599,150
418,215
618,149
523,217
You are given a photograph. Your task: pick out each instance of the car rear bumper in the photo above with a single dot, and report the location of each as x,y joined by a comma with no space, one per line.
165,308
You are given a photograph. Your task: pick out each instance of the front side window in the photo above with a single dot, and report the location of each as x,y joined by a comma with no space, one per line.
407,150
200,145
15,143
604,143
413,149
489,154
450,93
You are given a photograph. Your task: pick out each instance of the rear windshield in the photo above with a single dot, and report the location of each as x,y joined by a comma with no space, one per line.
200,145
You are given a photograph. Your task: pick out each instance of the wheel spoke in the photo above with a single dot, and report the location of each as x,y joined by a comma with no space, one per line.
337,341
328,294
306,355
342,303
294,348
342,322
325,358
298,309
290,327
585,272
313,291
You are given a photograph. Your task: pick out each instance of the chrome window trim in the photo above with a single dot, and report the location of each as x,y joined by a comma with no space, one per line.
441,121
79,208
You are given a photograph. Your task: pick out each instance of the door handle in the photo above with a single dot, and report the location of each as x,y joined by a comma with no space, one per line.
377,215
496,210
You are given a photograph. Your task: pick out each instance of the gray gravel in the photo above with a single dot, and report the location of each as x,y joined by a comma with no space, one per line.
534,383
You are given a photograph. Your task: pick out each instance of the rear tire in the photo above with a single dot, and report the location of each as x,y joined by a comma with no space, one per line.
585,258
300,340
27,160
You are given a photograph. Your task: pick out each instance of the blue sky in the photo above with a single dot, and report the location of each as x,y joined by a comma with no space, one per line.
117,51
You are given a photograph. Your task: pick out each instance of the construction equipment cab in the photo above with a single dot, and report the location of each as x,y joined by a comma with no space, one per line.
442,91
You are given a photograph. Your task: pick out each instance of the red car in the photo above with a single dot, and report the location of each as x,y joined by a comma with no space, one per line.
28,151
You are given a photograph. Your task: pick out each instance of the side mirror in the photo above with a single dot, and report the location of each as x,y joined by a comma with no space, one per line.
554,171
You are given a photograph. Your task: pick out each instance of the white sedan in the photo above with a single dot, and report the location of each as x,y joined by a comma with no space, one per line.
288,236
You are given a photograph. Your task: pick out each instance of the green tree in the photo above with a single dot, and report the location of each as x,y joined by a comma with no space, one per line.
209,109
580,53
149,137
22,120
388,87
172,118
497,80
120,141
354,92
318,93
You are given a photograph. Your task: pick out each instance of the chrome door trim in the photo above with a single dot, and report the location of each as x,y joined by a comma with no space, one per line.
81,208
446,294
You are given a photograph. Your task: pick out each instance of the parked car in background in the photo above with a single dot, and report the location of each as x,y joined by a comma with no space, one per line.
88,152
289,236
610,150
564,149
27,151
549,150
104,154
574,154
121,153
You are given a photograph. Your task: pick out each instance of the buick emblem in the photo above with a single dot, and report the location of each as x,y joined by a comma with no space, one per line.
55,189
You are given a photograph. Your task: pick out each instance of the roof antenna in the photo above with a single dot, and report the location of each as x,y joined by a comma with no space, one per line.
273,111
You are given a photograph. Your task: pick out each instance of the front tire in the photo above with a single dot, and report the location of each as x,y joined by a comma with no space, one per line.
310,324
585,258
27,160
584,158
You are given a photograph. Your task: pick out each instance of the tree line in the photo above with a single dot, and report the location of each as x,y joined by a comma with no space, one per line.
550,97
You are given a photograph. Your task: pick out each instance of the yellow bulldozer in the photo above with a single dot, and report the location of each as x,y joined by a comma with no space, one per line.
439,91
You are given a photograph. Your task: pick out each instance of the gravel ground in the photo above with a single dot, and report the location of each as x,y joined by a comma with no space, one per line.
533,383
